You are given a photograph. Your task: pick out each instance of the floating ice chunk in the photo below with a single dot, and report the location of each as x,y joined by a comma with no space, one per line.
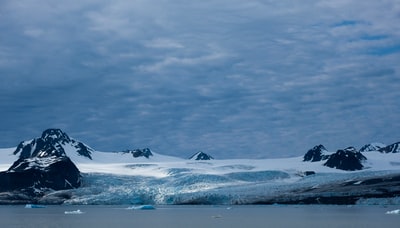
34,206
394,212
77,212
142,207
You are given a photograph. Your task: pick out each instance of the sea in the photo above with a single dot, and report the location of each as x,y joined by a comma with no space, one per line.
264,216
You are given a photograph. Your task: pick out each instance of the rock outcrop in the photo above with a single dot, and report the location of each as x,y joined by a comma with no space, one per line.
392,148
317,153
348,159
201,156
146,152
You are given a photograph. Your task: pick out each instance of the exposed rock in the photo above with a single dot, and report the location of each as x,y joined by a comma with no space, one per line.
146,152
201,156
317,153
372,147
51,143
392,148
52,172
348,159
308,173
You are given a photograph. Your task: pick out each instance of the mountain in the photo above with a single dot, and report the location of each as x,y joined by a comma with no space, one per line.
52,142
392,148
43,166
52,172
201,156
372,147
348,159
317,153
146,152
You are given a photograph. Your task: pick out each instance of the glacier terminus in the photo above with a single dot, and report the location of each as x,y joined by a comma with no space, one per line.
57,169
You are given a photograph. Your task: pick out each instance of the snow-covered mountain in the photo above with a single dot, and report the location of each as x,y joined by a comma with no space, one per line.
200,156
127,178
348,159
392,148
53,142
345,159
372,147
317,153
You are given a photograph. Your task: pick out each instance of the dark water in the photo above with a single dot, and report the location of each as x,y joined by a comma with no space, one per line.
201,216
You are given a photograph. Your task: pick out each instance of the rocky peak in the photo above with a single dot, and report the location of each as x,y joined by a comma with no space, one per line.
372,147
201,156
392,148
51,143
55,136
317,153
347,159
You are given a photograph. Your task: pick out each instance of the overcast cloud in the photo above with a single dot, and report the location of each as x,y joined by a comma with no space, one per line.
236,79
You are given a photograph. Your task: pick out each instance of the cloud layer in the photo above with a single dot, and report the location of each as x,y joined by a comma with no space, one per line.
232,78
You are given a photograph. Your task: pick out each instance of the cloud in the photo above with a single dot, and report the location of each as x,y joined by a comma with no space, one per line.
163,43
232,78
181,62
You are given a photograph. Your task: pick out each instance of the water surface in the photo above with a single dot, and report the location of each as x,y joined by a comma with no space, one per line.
201,216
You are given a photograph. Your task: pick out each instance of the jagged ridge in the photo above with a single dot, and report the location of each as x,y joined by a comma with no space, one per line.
393,148
51,143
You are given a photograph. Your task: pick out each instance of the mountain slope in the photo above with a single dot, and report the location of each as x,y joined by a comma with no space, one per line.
52,142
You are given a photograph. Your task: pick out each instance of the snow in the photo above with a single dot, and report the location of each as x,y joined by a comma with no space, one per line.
7,158
119,178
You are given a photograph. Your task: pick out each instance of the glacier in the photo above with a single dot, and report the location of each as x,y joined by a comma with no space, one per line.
125,179
115,178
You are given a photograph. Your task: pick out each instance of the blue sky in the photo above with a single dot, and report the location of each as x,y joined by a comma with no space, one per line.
236,79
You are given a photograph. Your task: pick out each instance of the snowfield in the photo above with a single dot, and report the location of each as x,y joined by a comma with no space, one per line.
119,178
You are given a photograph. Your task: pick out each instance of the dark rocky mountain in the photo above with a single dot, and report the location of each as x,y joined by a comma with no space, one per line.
348,159
392,148
42,166
53,172
372,147
146,152
201,156
52,143
317,153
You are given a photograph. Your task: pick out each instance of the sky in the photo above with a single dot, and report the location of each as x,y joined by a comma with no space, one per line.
232,78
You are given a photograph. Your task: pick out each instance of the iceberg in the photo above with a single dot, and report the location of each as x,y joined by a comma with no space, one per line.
142,207
34,206
77,212
394,212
